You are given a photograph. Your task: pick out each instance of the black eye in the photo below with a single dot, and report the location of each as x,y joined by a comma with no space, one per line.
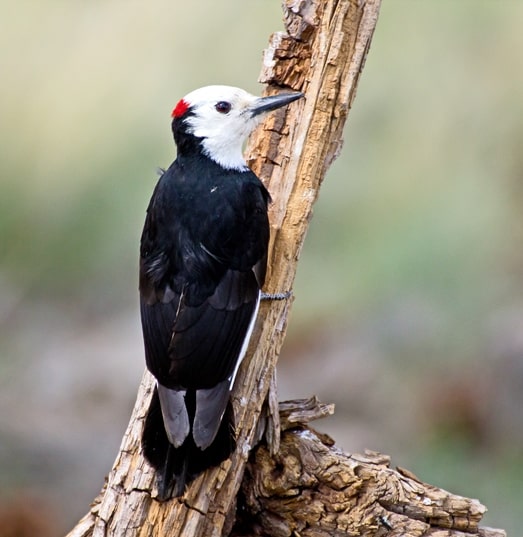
223,107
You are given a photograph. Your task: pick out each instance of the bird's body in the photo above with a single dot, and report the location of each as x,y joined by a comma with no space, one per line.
202,265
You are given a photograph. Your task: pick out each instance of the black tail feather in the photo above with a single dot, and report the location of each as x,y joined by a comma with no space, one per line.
176,467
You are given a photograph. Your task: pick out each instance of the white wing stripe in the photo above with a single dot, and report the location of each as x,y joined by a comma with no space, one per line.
246,340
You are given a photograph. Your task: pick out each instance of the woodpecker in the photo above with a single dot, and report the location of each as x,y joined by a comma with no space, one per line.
203,256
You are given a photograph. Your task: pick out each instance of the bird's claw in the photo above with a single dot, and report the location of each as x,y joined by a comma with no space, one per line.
276,296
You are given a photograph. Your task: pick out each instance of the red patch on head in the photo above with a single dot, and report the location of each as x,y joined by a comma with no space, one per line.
180,109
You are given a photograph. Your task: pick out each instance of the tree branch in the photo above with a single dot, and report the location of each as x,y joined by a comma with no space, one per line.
310,488
322,53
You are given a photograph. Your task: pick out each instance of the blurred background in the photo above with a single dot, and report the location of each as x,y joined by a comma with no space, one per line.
409,295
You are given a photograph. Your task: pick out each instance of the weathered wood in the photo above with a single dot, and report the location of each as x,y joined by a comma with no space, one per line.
312,489
322,54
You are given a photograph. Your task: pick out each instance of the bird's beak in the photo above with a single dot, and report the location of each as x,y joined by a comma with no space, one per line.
266,104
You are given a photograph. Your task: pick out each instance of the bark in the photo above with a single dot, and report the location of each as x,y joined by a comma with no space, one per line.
322,54
311,489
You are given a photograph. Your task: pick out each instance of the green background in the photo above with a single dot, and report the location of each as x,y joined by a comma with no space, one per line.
409,303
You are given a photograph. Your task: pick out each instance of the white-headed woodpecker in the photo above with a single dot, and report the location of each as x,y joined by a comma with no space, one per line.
203,260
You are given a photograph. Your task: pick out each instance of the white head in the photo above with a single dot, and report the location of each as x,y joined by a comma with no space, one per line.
222,117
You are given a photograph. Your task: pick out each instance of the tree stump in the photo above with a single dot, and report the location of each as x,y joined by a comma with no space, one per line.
297,482
312,489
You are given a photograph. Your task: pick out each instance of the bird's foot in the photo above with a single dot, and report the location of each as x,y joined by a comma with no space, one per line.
276,296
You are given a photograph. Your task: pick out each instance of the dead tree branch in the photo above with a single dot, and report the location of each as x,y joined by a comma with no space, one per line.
312,489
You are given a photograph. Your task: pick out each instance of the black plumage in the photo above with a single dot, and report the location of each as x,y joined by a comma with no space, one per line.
203,258
202,264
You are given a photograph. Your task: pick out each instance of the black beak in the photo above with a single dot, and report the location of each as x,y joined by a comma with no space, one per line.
266,104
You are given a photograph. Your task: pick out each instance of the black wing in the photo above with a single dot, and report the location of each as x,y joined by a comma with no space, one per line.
196,347
203,256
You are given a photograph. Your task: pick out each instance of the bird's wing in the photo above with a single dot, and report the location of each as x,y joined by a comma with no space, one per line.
207,339
200,278
204,345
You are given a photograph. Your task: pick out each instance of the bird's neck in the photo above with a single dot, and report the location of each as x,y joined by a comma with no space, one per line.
228,155
225,153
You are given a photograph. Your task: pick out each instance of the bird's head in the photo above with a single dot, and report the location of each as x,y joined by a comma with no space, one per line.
221,118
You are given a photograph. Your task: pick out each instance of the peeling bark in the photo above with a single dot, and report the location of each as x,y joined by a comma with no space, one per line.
312,489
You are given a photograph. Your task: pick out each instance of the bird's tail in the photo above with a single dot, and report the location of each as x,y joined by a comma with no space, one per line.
176,467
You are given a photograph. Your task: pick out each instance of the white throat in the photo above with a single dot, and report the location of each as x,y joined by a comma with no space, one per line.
224,153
